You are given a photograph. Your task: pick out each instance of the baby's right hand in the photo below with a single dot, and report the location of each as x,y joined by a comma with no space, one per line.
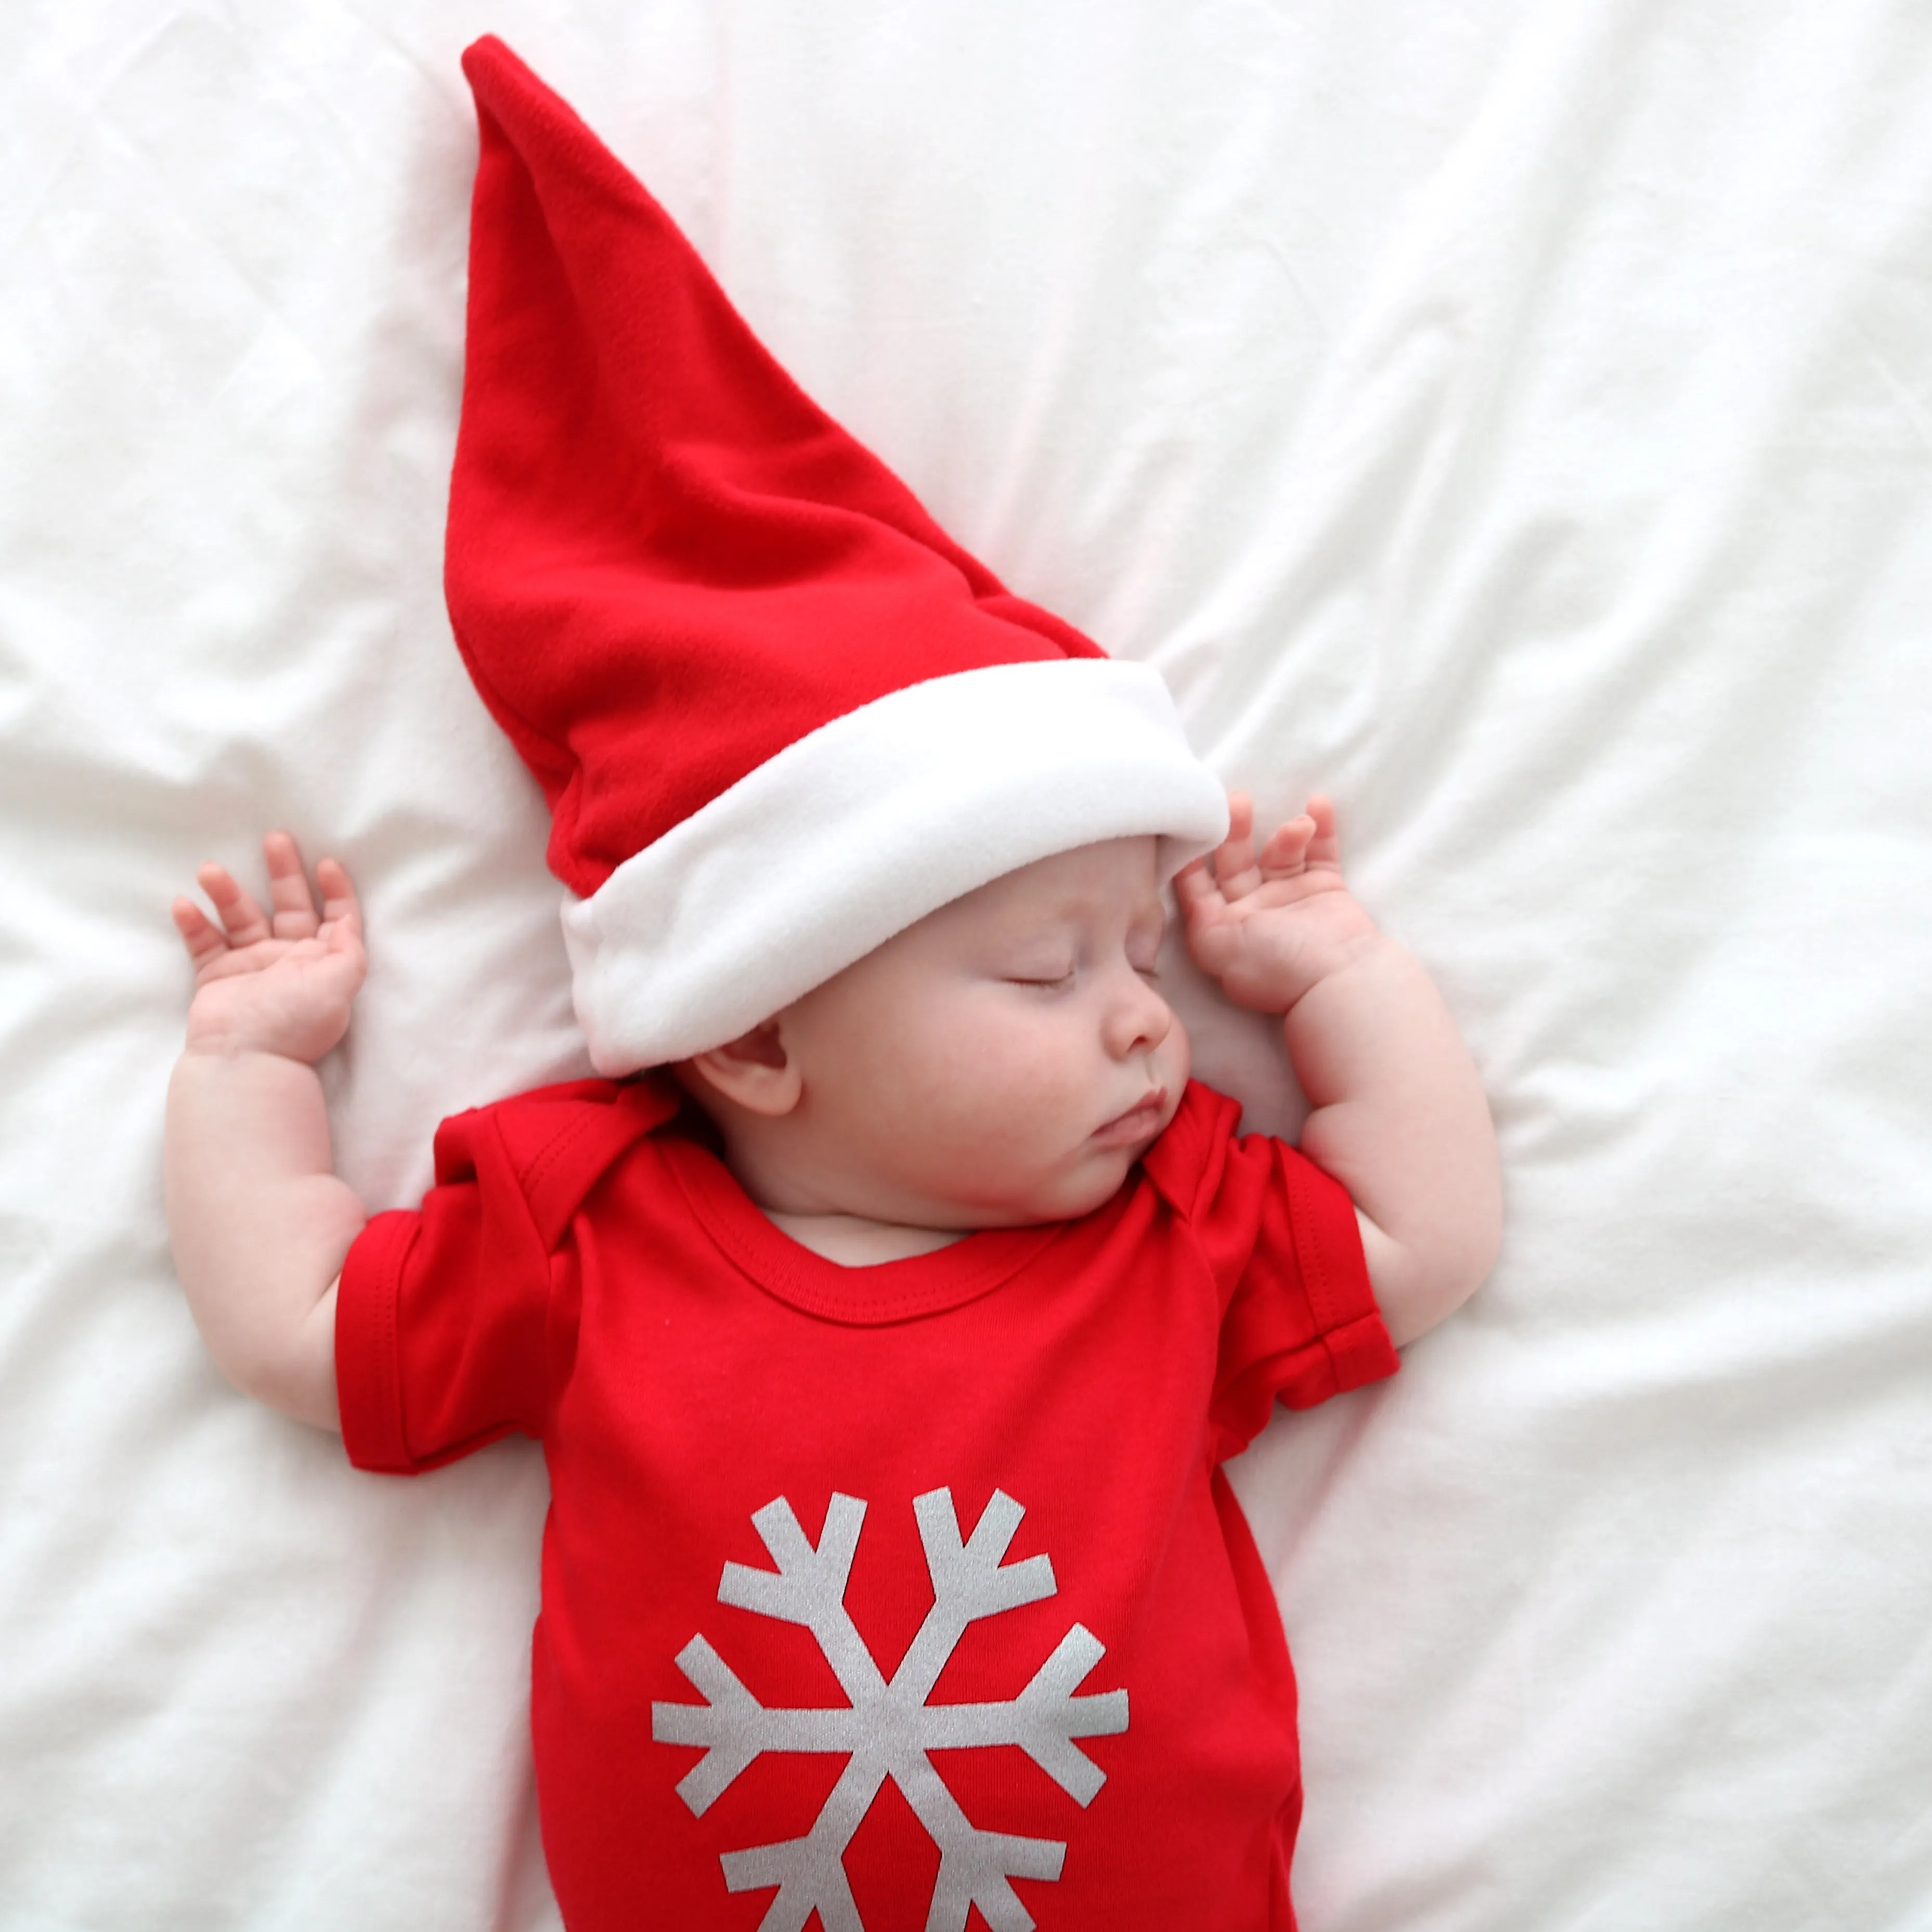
281,983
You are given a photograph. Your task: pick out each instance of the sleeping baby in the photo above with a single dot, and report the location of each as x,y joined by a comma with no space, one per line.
887,1309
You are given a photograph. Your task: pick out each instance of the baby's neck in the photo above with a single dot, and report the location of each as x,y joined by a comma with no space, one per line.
853,1241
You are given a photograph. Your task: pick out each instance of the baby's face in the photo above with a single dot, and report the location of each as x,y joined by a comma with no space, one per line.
1005,1060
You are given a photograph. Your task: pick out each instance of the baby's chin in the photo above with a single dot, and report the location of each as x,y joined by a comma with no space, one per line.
1066,1184
1084,1189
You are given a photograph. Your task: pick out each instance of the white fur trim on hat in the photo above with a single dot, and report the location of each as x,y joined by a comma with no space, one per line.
859,828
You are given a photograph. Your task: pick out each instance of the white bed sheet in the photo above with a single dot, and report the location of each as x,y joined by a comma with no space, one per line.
1515,417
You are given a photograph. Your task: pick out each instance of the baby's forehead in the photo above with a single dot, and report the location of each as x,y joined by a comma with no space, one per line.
1117,880
1104,892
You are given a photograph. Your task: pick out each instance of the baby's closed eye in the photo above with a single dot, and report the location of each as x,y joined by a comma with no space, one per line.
1038,974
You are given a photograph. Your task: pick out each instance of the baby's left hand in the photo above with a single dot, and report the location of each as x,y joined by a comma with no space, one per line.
1270,926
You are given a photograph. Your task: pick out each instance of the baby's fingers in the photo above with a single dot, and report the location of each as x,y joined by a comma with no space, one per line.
1304,842
241,918
1194,886
1286,853
1235,871
1325,848
340,908
199,935
295,916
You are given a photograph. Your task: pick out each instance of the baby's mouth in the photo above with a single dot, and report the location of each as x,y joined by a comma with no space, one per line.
1140,1122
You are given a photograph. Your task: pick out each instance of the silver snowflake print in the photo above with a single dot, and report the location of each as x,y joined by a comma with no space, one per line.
887,1729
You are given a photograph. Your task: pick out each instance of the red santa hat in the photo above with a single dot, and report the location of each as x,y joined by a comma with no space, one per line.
778,713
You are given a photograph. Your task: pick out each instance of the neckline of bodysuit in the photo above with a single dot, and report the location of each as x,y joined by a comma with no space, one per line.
885,1292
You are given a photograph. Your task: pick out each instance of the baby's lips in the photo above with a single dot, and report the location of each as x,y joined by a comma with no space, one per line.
1139,1122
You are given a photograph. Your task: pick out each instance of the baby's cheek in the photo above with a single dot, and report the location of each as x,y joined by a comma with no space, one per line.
1020,1135
974,1107
1002,1071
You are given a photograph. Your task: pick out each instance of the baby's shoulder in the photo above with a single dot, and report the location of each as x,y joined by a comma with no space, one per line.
553,1143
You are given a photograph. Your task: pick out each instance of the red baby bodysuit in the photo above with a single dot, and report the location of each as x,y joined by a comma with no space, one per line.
880,1592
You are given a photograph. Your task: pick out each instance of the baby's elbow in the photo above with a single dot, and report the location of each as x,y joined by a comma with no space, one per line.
1419,1284
292,1373
303,1391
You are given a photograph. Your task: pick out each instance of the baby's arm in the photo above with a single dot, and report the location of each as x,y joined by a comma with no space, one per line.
260,1223
1398,1114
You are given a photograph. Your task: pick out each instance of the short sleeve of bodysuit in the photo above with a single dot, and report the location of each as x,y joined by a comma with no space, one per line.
471,1291
1299,1322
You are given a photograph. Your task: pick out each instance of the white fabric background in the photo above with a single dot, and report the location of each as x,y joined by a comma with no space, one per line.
1515,416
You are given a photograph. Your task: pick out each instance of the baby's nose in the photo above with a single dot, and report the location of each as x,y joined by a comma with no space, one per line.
1140,1018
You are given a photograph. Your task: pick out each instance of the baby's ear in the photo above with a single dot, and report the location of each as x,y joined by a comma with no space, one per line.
753,1071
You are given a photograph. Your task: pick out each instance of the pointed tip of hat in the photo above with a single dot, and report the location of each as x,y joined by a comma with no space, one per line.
665,564
493,70
487,58
508,91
